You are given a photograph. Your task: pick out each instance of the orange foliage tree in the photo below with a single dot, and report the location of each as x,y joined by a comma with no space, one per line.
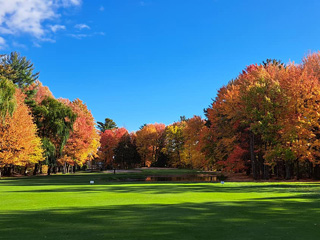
109,140
193,132
84,139
150,140
19,143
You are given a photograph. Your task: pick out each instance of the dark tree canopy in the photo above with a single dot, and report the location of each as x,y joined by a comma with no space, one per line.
126,154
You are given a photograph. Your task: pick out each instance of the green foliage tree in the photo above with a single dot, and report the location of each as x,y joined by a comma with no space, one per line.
49,153
55,121
7,100
22,69
108,124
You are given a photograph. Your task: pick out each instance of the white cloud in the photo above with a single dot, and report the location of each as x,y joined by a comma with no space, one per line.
2,43
28,16
67,3
82,26
101,8
79,36
57,27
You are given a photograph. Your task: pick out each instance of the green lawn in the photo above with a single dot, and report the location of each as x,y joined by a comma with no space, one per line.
67,207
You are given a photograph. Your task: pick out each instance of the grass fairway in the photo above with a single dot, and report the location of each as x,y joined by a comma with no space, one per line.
67,207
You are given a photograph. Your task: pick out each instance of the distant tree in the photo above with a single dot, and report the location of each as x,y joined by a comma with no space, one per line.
108,124
150,141
273,62
108,142
193,133
126,154
183,118
174,143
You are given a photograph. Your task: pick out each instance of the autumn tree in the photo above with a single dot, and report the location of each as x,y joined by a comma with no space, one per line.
19,143
193,132
150,141
84,140
109,140
174,143
41,92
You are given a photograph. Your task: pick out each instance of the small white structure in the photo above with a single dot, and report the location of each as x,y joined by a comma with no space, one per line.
91,182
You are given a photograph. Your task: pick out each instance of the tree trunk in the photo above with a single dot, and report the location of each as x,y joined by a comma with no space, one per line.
316,172
49,170
266,172
10,171
64,169
311,170
35,169
298,169
288,170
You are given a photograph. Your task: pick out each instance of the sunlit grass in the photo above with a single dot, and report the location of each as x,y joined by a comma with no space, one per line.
68,207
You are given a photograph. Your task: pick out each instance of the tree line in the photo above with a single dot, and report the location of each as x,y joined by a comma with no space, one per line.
157,145
265,122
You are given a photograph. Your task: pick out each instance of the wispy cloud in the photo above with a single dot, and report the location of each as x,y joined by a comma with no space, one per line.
57,27
28,16
81,26
101,8
81,35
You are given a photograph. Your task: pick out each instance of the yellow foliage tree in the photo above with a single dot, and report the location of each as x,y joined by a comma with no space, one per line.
19,143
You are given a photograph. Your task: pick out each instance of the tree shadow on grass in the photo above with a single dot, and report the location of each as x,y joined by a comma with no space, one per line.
220,220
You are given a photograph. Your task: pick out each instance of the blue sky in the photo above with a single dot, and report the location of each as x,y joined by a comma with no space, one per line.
154,60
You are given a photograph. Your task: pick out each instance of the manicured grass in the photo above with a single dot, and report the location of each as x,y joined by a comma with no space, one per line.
67,207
